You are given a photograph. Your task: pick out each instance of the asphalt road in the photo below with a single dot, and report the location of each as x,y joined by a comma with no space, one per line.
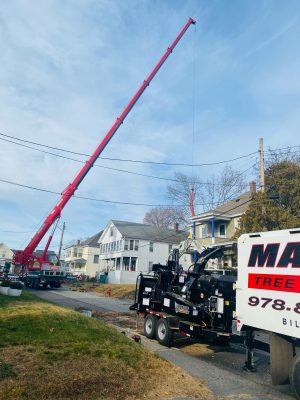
220,368
89,300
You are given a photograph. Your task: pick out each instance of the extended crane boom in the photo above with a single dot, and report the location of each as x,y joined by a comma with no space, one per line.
26,257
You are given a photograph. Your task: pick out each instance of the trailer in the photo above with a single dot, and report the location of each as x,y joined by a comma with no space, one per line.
202,303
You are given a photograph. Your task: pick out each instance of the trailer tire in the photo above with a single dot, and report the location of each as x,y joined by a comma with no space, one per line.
295,376
164,334
281,355
150,326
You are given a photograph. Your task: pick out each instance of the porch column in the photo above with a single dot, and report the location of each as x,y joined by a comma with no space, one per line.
194,237
212,230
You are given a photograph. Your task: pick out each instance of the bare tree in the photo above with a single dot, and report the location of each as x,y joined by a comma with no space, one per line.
220,189
208,194
164,217
179,194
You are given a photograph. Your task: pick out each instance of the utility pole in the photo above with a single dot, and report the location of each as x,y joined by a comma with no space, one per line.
61,241
261,165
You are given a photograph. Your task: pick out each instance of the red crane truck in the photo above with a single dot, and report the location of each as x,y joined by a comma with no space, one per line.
38,271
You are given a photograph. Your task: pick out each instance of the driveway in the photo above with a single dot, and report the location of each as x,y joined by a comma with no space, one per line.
89,300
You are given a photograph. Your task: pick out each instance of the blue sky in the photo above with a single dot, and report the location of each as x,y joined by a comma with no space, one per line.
68,69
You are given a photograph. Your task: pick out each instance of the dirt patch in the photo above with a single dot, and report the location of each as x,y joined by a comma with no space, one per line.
118,291
124,320
198,349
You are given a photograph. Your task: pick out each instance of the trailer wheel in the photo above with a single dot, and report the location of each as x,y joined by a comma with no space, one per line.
295,376
281,355
164,334
150,326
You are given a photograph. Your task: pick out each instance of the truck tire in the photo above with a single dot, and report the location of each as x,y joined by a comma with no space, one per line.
281,355
164,334
295,376
150,326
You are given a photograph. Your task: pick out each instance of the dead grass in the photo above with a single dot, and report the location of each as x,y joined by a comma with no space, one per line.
120,291
49,352
198,349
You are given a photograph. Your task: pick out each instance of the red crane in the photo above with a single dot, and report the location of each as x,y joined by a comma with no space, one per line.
26,258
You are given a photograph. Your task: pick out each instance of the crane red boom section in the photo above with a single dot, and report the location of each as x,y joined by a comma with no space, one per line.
24,256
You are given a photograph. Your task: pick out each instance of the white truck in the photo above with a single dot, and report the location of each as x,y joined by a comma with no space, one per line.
268,298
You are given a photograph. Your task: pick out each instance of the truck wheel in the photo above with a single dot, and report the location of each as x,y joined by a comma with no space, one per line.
164,334
281,355
295,376
150,326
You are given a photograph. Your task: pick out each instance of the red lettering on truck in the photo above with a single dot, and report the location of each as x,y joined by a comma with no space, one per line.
281,283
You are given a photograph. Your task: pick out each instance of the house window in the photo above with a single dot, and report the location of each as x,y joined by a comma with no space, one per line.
150,266
126,261
133,263
75,252
151,247
131,244
118,263
222,230
111,231
126,244
136,245
170,248
204,231
96,259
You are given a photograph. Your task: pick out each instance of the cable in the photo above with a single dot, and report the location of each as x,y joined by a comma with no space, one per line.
98,200
281,149
15,231
115,169
127,160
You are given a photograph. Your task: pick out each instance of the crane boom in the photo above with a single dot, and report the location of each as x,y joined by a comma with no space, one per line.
23,257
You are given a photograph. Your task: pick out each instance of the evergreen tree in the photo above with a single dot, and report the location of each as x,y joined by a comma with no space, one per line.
279,206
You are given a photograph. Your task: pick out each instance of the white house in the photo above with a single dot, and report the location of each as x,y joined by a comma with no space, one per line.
128,248
83,257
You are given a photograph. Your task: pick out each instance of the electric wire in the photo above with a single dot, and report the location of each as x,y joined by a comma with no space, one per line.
115,169
100,200
128,160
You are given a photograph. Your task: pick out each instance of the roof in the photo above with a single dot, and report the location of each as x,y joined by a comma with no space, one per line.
92,241
232,208
152,233
40,252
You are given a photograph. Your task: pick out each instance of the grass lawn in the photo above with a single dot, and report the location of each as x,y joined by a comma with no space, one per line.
50,352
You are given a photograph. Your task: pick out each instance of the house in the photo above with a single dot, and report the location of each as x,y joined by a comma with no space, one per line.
128,248
82,258
6,254
219,225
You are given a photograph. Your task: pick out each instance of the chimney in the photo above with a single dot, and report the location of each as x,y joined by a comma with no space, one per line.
176,227
252,185
78,242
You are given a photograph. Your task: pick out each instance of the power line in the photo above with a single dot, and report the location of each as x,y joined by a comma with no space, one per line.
127,160
117,169
98,200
